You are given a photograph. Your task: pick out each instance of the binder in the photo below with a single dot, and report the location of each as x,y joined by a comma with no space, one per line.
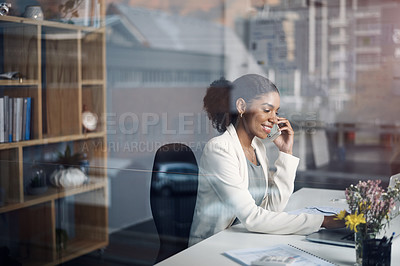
23,118
2,120
6,119
10,119
18,110
28,118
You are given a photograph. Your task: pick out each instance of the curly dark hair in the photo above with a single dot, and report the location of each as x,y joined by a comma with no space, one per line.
220,99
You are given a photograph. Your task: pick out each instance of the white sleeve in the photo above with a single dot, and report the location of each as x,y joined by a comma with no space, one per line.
281,183
220,167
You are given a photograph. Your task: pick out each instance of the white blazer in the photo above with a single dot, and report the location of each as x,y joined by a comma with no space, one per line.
223,192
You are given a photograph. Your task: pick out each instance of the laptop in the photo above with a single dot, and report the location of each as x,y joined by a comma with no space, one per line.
339,237
345,237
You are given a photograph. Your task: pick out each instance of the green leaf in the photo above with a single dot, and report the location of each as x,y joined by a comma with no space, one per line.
68,152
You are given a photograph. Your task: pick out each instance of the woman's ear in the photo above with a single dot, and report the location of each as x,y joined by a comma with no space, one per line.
241,105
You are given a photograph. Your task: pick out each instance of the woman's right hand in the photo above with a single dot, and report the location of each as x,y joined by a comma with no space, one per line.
331,223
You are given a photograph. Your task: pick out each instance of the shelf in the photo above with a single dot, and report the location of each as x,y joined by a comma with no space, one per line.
54,193
36,263
24,82
34,142
64,71
49,23
92,82
79,247
75,248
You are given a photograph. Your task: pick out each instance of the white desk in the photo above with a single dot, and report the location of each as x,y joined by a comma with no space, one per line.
209,251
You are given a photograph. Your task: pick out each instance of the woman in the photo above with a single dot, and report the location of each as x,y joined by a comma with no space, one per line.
234,182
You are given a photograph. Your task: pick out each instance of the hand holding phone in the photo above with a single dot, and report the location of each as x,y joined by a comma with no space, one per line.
275,132
284,139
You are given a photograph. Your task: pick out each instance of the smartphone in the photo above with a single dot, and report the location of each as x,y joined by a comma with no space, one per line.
275,132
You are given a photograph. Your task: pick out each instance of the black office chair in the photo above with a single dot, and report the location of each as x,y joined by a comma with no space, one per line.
173,196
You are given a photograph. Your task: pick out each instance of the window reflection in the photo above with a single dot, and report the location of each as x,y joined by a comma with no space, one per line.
335,62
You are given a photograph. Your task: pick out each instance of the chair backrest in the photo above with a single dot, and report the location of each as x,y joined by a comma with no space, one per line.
173,195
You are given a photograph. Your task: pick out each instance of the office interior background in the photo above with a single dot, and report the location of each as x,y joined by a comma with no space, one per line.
111,81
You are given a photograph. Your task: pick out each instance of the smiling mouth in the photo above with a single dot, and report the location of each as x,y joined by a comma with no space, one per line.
267,129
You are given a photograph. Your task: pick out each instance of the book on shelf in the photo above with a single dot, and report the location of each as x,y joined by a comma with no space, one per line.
10,119
6,118
24,104
15,119
2,139
18,112
28,118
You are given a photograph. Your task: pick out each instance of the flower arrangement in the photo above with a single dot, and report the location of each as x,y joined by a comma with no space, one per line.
371,207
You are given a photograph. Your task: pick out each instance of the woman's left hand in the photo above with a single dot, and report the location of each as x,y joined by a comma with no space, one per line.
285,141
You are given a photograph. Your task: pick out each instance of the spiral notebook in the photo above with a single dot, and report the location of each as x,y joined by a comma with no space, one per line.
302,257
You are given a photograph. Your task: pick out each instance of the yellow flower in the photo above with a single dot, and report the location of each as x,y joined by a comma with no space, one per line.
353,220
341,215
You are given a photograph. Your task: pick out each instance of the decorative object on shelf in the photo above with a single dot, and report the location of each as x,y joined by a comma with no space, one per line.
13,75
69,159
371,210
89,120
67,178
4,9
37,184
84,164
61,239
2,196
34,12
69,174
70,9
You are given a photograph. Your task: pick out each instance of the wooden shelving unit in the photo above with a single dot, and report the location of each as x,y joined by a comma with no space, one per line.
63,68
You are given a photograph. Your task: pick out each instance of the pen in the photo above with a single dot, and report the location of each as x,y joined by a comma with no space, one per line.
391,238
322,211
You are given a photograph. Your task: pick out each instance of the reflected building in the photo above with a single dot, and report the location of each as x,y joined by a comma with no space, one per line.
324,54
158,68
159,65
338,60
273,38
293,45
150,48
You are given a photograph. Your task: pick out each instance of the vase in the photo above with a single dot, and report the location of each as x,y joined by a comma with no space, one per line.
68,178
360,237
34,12
38,182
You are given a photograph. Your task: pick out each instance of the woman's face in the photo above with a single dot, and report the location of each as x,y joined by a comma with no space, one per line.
261,114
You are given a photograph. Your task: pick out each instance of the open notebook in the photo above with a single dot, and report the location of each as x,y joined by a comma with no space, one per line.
301,257
345,237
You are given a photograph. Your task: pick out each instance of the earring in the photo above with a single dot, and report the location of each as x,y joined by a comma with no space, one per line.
241,115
